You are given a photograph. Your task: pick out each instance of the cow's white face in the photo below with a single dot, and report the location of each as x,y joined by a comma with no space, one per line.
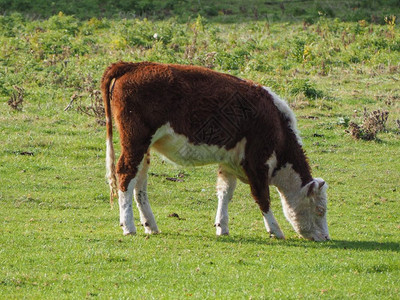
304,207
306,210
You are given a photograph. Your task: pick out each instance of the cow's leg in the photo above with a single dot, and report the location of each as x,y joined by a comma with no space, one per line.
226,184
129,166
258,179
272,225
126,220
141,199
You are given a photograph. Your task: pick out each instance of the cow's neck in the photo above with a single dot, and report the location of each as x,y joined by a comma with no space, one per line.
292,175
287,180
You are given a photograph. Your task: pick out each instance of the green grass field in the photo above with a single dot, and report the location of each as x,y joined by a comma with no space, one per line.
60,239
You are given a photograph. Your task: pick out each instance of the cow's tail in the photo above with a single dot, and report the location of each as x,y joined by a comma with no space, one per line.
111,74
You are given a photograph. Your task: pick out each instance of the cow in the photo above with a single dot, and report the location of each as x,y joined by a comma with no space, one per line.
196,116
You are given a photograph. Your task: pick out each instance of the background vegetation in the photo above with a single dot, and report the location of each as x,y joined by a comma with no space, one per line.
336,62
230,11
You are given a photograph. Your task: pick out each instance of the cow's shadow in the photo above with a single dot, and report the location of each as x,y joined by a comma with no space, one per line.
367,245
358,245
333,244
294,242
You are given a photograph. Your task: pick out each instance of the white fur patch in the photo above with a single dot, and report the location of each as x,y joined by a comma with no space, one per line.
109,158
303,213
177,148
226,184
287,180
110,168
271,162
125,209
142,201
288,183
272,225
285,109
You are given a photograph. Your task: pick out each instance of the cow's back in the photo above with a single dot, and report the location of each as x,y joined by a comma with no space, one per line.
205,106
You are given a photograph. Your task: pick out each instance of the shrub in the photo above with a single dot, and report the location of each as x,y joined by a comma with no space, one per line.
230,61
10,25
372,123
61,22
304,86
95,107
210,11
16,99
298,50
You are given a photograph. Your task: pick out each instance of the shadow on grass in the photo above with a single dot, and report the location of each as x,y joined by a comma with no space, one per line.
290,242
364,245
333,244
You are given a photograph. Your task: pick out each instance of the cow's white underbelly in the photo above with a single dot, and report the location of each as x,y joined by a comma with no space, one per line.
177,148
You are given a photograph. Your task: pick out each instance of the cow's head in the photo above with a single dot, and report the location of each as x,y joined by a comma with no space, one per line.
306,210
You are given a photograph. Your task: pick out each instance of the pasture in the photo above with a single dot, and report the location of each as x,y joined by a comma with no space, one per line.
60,238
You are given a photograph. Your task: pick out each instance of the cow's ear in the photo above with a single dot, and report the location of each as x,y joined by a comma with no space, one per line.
315,186
321,183
311,189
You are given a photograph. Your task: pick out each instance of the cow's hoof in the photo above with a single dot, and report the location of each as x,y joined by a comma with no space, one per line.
279,235
221,231
128,228
129,232
319,238
148,230
223,234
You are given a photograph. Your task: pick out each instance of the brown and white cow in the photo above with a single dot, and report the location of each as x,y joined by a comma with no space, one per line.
195,116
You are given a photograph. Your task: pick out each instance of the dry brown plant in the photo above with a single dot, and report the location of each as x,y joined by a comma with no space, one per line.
17,98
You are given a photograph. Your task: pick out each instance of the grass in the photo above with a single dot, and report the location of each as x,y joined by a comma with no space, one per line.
59,237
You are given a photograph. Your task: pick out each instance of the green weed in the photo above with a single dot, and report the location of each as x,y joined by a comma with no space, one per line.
304,86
